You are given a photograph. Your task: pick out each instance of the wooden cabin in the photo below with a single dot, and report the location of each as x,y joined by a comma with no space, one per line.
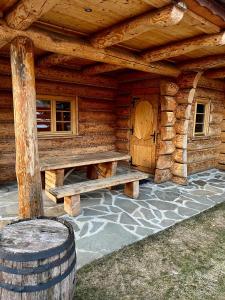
139,77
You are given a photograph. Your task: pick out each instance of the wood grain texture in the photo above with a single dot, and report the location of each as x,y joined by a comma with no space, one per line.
57,43
27,157
128,29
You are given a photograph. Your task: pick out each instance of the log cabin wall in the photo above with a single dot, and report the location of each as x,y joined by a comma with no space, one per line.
221,164
96,123
203,152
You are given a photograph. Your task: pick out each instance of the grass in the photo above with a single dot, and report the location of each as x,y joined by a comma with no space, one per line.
184,262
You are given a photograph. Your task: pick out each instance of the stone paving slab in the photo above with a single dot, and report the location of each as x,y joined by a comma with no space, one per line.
109,220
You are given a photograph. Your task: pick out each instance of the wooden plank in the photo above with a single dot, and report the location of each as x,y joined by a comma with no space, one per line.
27,158
92,185
82,160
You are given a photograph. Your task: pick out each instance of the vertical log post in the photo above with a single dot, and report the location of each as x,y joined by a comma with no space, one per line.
24,100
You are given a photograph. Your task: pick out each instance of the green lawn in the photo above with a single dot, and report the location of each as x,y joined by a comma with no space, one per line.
184,262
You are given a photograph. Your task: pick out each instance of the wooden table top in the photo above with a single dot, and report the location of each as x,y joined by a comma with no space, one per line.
63,162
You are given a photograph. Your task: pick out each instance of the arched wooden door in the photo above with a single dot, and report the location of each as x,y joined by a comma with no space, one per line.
144,133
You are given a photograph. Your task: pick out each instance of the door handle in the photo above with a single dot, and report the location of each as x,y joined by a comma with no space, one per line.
154,135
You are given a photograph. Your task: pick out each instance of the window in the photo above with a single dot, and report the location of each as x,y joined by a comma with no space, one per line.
201,118
56,116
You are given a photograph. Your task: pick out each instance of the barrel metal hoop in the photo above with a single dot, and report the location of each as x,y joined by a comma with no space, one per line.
21,257
40,286
41,268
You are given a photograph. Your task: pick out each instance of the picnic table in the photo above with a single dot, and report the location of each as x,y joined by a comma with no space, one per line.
99,165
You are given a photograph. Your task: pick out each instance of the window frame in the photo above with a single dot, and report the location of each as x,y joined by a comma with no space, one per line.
74,116
207,104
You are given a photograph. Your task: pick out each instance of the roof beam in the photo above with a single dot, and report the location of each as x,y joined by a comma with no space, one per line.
71,46
100,68
184,46
215,73
208,62
163,17
62,75
26,12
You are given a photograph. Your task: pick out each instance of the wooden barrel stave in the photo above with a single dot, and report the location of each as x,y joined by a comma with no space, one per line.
52,277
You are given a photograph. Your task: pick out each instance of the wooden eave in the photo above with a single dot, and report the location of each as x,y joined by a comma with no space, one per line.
72,20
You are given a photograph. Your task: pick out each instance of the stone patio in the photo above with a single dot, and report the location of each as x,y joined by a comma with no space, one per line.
109,220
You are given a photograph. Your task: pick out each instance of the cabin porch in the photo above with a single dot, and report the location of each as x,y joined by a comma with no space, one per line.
114,220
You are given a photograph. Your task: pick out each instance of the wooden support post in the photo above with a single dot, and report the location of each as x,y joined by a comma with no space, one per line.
132,189
102,170
72,205
24,99
53,179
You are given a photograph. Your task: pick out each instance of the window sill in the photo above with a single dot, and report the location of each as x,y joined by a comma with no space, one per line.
58,136
196,138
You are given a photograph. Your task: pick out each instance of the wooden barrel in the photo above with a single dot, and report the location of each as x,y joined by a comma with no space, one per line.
37,260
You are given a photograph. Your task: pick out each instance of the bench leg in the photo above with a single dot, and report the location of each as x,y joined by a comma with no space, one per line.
132,189
72,205
103,170
53,179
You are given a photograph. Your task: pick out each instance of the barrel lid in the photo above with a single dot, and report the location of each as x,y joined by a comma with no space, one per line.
33,236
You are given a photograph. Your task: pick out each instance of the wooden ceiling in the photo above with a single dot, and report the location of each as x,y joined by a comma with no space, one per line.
130,28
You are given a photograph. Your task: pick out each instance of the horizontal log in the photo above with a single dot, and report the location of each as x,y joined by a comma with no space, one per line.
216,73
96,116
180,156
203,63
164,162
166,147
123,111
123,134
184,46
60,44
180,141
214,130
210,94
87,104
202,155
167,133
186,80
168,88
163,17
211,142
123,100
201,166
162,175
179,169
183,111
123,123
168,103
222,148
215,118
185,96
167,118
181,126
122,146
96,128
99,68
53,88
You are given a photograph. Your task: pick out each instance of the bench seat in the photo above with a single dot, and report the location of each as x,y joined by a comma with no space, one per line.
71,193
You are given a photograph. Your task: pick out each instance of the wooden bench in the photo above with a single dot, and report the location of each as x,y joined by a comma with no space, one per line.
71,193
99,165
